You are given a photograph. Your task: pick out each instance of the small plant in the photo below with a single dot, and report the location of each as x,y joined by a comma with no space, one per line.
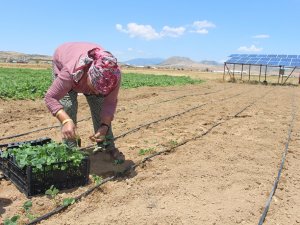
27,207
40,157
12,221
173,143
104,144
52,193
97,180
108,140
118,161
146,151
68,201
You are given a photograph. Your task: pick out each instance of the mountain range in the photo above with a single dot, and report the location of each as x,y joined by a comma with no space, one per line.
172,62
169,62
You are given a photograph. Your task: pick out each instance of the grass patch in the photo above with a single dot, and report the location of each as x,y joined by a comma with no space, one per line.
134,80
23,83
20,83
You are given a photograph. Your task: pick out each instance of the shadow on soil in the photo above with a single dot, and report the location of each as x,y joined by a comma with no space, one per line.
3,203
103,165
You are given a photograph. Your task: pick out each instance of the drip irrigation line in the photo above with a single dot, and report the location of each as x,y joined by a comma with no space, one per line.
132,167
123,173
37,130
148,124
184,96
63,207
57,126
170,117
268,202
159,120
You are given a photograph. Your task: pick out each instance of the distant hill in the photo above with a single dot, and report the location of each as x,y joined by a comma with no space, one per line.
184,62
210,62
10,54
175,61
172,62
143,61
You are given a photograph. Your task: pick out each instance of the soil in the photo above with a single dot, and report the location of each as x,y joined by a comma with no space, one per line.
223,156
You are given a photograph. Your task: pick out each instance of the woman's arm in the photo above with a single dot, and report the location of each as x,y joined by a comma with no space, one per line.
57,91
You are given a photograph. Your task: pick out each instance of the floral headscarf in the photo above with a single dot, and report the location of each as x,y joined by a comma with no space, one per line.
103,72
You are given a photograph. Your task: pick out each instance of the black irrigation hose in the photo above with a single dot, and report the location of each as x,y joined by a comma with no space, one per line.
159,120
132,167
57,126
37,130
184,96
267,206
63,207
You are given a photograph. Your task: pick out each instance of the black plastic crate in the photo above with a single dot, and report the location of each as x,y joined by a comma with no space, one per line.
33,183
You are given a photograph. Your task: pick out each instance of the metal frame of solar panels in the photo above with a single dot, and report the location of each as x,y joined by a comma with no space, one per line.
272,60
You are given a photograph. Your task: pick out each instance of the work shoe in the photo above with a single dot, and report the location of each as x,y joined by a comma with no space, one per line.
116,155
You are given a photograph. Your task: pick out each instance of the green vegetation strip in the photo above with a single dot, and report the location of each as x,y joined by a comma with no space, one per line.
33,84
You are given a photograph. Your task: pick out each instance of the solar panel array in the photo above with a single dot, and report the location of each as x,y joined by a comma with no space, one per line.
270,60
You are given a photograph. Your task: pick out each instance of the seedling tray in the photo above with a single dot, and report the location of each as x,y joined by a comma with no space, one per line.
32,182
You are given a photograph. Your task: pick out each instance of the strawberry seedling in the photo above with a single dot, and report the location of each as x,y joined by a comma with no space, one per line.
12,221
68,201
146,151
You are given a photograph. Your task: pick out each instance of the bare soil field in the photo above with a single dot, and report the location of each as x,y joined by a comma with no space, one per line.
224,144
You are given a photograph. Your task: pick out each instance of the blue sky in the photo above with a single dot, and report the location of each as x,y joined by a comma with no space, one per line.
200,30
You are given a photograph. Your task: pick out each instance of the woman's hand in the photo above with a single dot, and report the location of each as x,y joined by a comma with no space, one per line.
99,136
69,131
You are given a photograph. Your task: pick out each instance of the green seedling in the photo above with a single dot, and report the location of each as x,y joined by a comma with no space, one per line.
12,221
41,157
107,141
52,193
118,161
173,143
68,201
27,207
146,151
97,180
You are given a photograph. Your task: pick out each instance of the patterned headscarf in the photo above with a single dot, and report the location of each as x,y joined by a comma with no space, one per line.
104,72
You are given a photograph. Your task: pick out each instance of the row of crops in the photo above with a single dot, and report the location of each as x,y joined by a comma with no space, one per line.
18,83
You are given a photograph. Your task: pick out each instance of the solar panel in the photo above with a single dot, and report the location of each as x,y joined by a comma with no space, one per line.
293,64
263,59
234,55
273,63
281,56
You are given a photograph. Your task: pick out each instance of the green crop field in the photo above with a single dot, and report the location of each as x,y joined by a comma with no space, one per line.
32,84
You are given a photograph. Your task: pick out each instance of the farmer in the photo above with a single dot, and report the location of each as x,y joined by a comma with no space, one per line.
80,67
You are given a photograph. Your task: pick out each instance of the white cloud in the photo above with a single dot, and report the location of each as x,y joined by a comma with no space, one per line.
261,36
147,32
201,27
252,48
172,31
130,49
136,30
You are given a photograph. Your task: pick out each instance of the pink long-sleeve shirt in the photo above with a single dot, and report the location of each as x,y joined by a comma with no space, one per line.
65,60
